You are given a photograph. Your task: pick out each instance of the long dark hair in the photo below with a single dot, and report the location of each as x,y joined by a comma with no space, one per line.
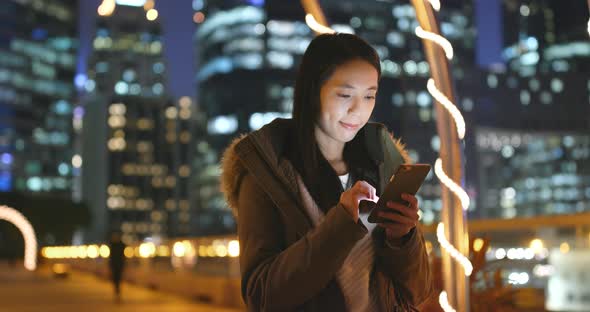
323,55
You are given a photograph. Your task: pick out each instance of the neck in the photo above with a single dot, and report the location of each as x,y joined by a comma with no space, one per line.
332,151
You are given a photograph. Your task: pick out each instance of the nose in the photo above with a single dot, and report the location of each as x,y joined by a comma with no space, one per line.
355,105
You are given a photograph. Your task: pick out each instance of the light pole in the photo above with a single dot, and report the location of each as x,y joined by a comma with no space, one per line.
452,215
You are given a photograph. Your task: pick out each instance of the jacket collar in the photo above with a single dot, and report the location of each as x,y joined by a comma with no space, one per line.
261,153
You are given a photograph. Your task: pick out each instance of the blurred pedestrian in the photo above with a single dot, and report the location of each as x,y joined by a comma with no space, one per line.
116,262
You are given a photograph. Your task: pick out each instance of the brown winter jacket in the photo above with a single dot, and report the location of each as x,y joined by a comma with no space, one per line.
288,265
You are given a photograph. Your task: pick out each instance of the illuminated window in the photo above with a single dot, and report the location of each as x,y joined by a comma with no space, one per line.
425,114
184,171
467,104
158,68
145,124
129,75
410,67
77,161
62,107
534,84
121,87
546,97
435,143
63,169
170,181
134,89
423,99
239,15
185,113
89,85
411,97
404,24
525,97
492,81
356,22
397,99
170,204
158,88
117,121
215,66
280,59
258,120
424,70
345,29
281,28
117,109
556,85
185,137
223,125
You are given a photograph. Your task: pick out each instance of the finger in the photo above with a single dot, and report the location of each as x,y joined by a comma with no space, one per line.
394,217
404,210
411,199
364,188
364,185
360,196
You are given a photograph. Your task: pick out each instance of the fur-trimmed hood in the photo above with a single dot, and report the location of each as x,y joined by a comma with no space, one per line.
268,143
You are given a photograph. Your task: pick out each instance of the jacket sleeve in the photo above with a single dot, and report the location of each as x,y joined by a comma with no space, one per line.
407,266
276,277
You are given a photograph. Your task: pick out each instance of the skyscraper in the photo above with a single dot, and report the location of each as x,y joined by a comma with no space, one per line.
550,35
533,115
37,96
532,173
136,139
247,53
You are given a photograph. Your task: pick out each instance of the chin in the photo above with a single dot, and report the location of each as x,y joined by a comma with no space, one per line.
347,137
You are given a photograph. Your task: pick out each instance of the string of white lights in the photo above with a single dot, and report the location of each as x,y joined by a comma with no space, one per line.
444,302
438,39
438,168
446,103
451,185
13,216
317,27
453,252
435,4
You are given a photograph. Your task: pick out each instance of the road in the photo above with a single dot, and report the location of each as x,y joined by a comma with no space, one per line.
41,291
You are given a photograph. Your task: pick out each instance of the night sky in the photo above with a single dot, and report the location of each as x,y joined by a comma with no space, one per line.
176,18
489,27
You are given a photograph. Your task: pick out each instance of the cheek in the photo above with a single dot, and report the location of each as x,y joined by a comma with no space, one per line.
333,108
368,110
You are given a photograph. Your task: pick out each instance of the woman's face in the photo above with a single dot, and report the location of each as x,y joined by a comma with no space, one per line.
347,100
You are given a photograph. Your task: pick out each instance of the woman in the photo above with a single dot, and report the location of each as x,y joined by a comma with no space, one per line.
295,187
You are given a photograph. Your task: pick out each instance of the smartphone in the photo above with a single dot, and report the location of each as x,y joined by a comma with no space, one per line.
407,179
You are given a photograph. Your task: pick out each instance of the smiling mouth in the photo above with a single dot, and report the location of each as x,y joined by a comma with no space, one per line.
349,126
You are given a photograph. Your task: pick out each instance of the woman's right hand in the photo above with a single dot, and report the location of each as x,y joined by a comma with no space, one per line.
351,198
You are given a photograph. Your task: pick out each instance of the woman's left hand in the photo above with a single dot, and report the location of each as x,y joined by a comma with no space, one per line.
403,218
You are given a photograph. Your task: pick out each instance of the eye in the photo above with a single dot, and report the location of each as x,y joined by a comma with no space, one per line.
370,97
345,96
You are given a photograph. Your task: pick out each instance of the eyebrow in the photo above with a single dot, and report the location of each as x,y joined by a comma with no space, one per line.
347,86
